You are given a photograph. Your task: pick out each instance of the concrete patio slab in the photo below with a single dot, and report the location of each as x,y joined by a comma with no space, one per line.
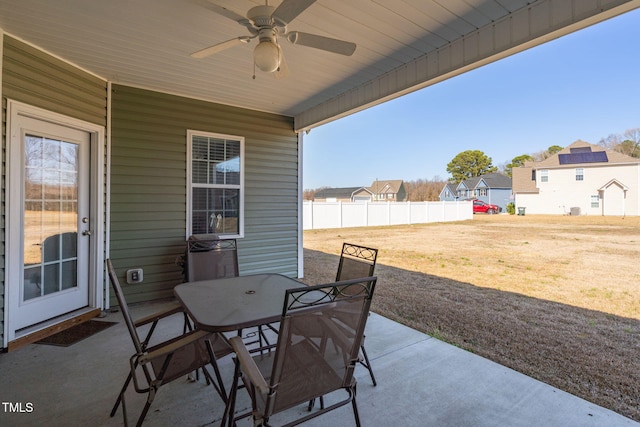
421,381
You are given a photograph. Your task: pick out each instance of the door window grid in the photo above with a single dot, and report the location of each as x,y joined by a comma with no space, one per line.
50,216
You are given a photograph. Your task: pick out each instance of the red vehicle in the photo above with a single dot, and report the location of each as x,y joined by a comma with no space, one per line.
482,207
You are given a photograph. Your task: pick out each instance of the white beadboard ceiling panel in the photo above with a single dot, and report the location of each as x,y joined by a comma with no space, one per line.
402,45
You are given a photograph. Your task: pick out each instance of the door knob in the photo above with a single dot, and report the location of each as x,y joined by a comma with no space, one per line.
86,233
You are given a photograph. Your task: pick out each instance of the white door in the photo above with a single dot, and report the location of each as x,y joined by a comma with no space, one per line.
613,200
50,185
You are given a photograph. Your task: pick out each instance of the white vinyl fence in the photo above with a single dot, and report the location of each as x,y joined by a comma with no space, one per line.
368,214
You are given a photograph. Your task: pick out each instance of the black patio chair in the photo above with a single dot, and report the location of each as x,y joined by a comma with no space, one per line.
306,366
358,261
210,257
154,366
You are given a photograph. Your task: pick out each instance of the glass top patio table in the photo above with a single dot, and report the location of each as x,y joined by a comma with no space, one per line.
234,303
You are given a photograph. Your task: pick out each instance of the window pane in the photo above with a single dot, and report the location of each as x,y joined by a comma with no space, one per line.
199,171
200,157
51,279
200,147
232,164
33,146
69,274
215,211
32,283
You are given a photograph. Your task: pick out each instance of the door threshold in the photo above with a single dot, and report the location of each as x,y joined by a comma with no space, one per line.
50,327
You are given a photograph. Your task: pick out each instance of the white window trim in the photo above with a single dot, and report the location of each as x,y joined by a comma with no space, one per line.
544,173
190,134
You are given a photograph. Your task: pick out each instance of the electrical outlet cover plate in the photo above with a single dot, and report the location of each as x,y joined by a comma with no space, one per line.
134,276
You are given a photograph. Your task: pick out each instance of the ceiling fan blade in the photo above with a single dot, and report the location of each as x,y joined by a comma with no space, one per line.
289,9
320,42
220,10
208,51
283,68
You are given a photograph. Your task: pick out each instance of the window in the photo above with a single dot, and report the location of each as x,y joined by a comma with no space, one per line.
544,175
595,201
215,184
579,174
482,192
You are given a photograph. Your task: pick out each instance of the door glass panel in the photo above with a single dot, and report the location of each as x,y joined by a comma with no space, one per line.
50,216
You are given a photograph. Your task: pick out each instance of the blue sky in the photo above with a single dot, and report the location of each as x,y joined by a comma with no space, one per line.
585,86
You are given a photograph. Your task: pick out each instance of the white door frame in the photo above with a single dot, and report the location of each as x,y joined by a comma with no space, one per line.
13,237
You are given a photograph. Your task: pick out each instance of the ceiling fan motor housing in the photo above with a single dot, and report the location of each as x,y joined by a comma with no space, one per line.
261,16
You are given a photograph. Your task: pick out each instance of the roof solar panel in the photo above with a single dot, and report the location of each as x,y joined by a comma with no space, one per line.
580,150
590,157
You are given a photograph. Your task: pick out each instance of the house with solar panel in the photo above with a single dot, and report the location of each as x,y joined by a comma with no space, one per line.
582,179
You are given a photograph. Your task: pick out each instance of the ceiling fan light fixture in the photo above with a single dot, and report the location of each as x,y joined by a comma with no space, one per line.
267,56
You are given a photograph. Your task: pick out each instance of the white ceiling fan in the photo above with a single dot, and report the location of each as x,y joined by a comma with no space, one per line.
268,24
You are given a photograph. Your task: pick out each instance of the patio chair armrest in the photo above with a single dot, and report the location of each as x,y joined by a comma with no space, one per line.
249,365
171,347
169,311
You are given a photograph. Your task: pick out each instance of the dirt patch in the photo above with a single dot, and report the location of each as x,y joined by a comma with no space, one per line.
554,297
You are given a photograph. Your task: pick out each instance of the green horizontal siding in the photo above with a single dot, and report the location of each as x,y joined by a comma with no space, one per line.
148,186
36,78
33,77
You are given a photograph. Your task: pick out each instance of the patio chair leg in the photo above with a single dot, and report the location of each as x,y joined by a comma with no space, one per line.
229,408
147,405
124,411
121,396
355,411
367,365
220,386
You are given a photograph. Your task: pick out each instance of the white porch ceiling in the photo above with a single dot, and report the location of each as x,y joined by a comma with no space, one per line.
402,45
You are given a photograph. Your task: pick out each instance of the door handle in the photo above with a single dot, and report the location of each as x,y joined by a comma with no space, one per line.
85,220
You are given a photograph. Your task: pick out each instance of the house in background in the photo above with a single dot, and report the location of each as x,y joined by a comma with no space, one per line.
449,192
582,179
380,191
492,188
346,194
388,191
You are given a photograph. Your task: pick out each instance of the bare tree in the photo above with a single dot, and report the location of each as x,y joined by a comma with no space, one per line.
309,194
628,143
424,190
610,142
632,138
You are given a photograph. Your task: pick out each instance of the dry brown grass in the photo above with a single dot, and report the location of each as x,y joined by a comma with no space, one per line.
554,297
